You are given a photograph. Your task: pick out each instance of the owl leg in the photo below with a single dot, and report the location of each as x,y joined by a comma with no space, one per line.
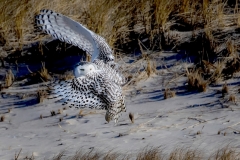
111,113
108,116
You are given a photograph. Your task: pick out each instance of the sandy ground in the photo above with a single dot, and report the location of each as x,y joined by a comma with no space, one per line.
204,121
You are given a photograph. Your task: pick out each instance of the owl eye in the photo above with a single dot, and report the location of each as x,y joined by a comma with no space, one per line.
90,69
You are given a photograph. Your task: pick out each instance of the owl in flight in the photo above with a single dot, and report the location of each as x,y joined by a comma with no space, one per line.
97,84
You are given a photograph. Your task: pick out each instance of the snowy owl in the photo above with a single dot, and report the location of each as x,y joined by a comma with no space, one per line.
97,84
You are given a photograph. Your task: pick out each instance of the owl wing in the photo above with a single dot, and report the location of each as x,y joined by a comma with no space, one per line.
75,93
94,90
68,30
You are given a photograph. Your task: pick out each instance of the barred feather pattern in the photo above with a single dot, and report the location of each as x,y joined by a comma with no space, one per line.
113,74
105,52
95,90
72,32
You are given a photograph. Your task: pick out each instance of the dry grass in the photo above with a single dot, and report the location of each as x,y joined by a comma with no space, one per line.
64,108
232,65
112,19
205,25
232,98
53,113
9,79
226,153
2,118
89,155
80,114
196,81
185,154
149,153
215,71
60,111
169,94
66,76
17,154
151,68
9,110
44,73
116,20
41,95
225,89
131,117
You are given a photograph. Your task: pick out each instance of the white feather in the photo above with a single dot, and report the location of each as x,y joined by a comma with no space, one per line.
60,26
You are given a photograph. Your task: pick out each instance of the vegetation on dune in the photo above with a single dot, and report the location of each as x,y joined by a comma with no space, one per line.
147,153
209,29
123,23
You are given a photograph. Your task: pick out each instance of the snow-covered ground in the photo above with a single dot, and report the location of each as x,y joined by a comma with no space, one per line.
204,121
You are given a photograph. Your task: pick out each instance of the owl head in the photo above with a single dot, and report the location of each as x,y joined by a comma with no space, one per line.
84,68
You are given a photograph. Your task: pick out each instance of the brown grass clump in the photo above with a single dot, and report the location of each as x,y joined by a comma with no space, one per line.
226,153
232,98
131,117
150,154
151,68
23,96
2,62
169,94
44,73
232,66
53,113
81,113
17,155
40,95
198,133
224,89
215,71
64,108
112,156
9,110
196,81
9,78
89,155
66,76
2,118
186,154
60,111
225,133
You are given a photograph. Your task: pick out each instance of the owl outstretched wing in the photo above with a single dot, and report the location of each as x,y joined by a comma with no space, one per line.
72,32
